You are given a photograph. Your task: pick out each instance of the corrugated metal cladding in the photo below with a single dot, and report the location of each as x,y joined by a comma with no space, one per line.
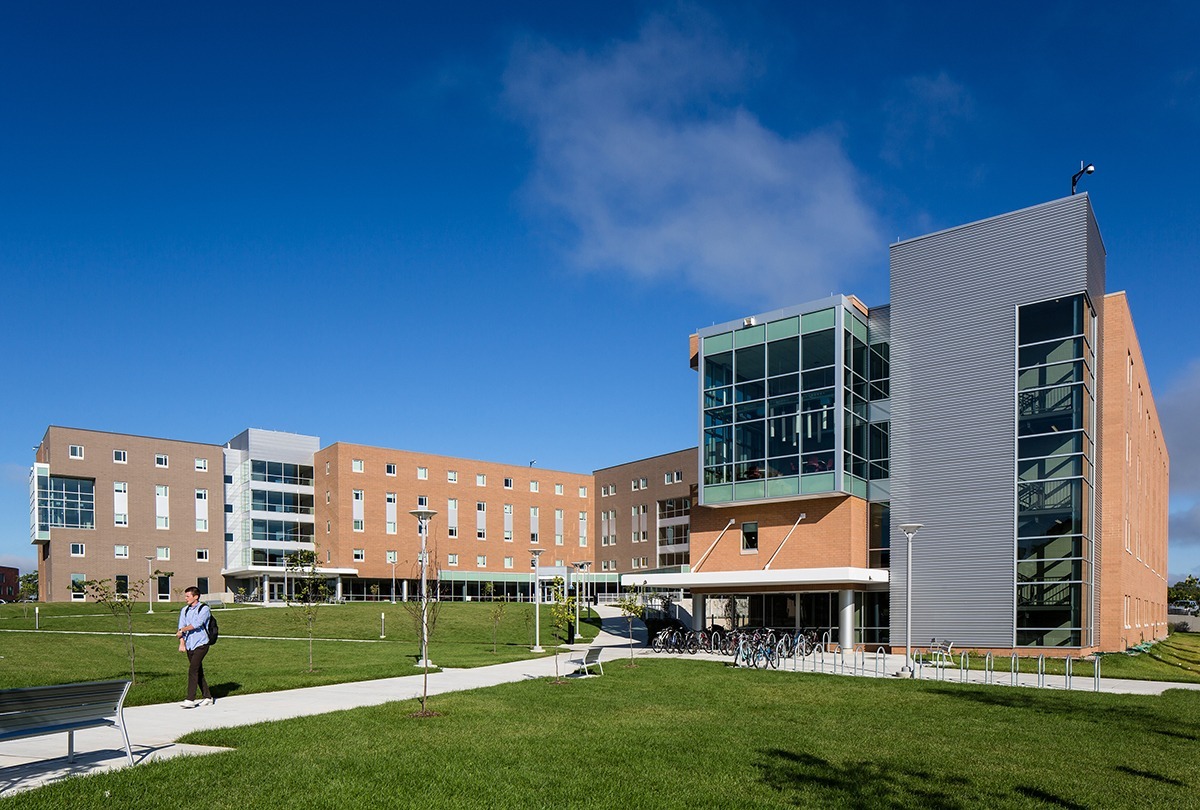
1097,268
953,363
879,324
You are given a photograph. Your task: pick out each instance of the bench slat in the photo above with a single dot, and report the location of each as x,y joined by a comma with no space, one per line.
39,710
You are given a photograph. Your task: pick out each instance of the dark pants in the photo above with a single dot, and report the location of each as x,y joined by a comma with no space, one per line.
196,672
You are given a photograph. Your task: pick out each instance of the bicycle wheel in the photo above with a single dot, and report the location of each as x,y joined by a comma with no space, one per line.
693,644
657,645
715,643
785,647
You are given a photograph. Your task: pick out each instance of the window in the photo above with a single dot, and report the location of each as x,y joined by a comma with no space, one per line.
391,497
481,561
201,555
750,537
679,476
75,451
328,526
422,473
666,478
162,522
533,537
422,501
480,506
77,592
642,483
327,468
202,495
120,486
357,494
452,531
356,465
121,552
451,559
390,526
583,492
201,524
163,553
201,465
358,525
558,489
480,480
533,486
390,469
558,539
508,535
360,554
391,558
481,534
533,512
508,562
508,483
120,457
634,562
452,476
327,497
508,509
122,582
202,584
77,549
161,460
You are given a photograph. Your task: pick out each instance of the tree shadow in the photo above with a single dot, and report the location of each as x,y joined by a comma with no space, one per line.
1157,777
861,784
1047,797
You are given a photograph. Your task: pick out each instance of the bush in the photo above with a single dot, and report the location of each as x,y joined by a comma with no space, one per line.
1178,627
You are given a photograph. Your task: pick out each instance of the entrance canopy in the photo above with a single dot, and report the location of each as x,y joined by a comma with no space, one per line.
774,579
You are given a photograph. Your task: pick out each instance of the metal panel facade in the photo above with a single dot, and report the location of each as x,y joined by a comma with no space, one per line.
954,296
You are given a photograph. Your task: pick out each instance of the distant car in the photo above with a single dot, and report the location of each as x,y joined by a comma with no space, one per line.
1186,607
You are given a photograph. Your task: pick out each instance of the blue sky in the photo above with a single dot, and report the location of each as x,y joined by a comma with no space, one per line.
487,230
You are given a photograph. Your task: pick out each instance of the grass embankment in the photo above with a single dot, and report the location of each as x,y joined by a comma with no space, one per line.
693,734
260,649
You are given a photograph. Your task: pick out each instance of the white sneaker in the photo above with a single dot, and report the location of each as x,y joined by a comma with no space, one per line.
205,702
189,704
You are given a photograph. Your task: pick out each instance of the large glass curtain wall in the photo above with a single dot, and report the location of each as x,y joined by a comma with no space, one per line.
770,401
806,611
1055,472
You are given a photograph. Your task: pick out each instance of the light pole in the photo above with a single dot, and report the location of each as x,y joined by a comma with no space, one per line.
393,580
581,591
537,603
578,567
149,584
423,516
1088,169
909,529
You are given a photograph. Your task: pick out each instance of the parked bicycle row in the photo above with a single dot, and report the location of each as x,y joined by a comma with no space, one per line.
758,647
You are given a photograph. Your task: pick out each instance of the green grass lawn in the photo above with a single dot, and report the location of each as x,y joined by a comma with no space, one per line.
692,734
263,662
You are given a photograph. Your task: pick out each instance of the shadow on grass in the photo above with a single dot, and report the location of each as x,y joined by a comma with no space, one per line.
220,690
1157,777
803,779
1048,798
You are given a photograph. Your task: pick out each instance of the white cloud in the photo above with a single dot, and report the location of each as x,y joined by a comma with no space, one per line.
644,156
1177,412
923,111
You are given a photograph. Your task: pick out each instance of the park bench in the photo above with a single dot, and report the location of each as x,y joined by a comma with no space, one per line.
939,653
591,659
39,710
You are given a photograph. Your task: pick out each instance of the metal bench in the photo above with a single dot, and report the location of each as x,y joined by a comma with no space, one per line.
38,710
939,653
591,659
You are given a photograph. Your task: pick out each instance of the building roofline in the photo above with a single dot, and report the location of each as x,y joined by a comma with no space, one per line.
130,435
452,458
1060,201
647,458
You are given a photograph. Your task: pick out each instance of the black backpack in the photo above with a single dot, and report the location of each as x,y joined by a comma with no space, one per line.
211,628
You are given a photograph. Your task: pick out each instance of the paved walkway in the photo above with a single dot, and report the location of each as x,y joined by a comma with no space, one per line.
26,764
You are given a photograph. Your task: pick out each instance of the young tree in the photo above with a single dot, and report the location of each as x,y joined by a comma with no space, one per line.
497,615
120,604
424,614
630,604
27,588
374,589
562,616
310,590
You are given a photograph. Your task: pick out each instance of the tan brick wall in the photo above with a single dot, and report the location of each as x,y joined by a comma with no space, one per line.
832,534
56,565
1134,469
625,498
337,543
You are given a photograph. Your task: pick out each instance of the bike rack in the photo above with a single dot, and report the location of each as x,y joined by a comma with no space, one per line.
1013,669
964,665
838,653
1068,673
1041,672
880,656
860,652
988,673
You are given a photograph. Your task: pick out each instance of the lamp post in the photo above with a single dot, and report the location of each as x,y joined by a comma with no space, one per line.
909,529
580,590
149,584
537,601
393,580
1088,169
423,516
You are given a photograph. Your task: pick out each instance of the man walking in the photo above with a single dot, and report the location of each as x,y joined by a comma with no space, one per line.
193,640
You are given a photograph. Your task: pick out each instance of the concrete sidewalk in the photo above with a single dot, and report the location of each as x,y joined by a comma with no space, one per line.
26,764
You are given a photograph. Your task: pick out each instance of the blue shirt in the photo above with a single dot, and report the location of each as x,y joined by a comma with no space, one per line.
197,616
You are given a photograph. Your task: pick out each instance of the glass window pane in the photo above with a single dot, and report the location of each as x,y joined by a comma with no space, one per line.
750,363
718,370
818,349
1051,319
783,357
